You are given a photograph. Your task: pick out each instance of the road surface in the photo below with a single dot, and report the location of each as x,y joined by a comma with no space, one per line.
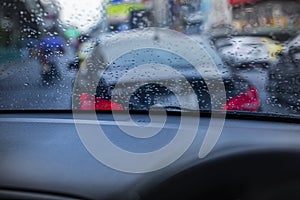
21,87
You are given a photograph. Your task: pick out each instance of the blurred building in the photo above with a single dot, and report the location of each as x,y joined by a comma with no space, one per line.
275,17
23,20
50,17
218,13
18,21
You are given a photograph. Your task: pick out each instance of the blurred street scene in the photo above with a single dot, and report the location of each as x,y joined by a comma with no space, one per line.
45,42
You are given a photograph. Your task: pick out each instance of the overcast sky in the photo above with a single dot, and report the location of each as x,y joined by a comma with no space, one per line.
80,13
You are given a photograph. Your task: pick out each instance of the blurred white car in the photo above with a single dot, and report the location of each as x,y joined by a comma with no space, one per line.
246,50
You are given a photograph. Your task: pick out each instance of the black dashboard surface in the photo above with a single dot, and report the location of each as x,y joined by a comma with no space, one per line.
42,157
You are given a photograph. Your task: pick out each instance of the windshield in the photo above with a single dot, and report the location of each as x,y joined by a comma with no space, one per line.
239,56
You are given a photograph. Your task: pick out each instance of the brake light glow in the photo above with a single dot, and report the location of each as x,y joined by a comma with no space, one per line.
90,102
246,101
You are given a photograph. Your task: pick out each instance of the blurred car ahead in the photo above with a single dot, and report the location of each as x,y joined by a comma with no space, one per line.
283,82
240,95
241,51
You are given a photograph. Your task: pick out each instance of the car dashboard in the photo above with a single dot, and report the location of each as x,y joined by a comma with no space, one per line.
42,157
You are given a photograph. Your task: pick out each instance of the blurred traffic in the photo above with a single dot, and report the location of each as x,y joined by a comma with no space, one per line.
239,51
283,77
248,36
240,94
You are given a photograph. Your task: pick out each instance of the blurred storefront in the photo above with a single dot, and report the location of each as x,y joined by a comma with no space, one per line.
274,17
175,14
196,16
119,13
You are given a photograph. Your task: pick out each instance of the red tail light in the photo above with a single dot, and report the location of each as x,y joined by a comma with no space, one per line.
247,101
89,102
